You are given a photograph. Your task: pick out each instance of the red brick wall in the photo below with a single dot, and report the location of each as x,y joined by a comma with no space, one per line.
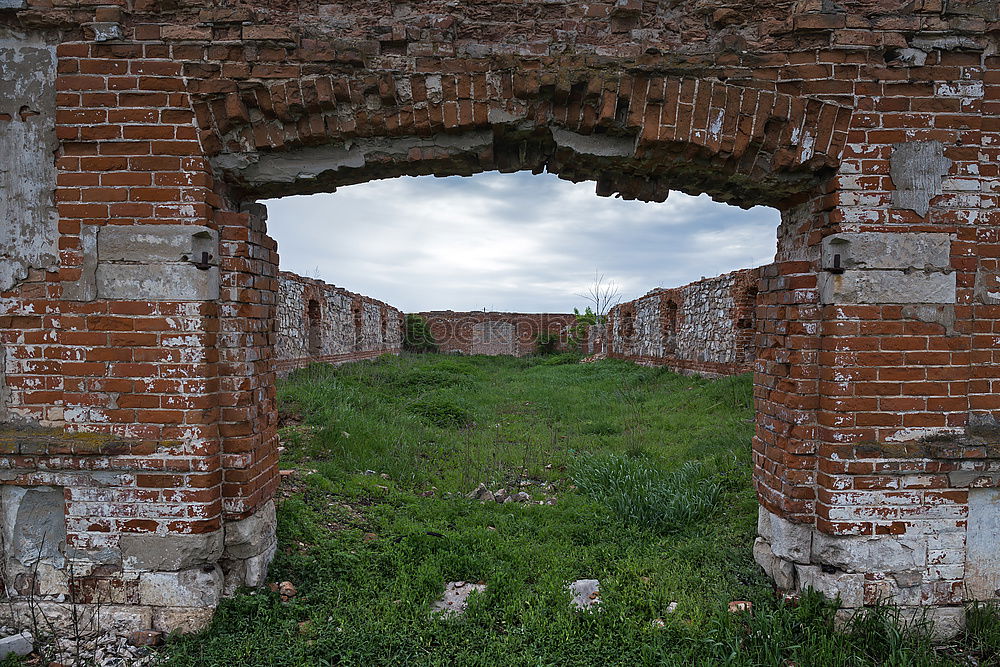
491,333
877,389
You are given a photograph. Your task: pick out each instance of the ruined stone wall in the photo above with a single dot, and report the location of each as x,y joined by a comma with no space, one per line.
139,365
706,327
490,333
318,322
597,339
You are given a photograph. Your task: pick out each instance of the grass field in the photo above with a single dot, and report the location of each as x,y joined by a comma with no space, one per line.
651,475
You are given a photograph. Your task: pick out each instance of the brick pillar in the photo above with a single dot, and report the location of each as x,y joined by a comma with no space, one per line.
114,467
877,463
248,424
786,386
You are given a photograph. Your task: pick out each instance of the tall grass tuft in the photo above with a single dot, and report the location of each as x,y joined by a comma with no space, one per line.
441,412
643,495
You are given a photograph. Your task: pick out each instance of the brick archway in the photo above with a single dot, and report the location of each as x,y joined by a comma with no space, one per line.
140,384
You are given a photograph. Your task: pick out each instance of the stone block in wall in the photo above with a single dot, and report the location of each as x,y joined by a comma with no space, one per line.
982,566
142,551
34,539
251,536
887,287
789,540
70,618
250,545
180,619
887,267
157,263
876,553
780,570
197,587
850,588
29,232
889,250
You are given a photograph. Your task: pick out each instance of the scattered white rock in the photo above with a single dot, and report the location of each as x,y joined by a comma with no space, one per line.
586,594
103,650
456,598
19,644
477,494
483,494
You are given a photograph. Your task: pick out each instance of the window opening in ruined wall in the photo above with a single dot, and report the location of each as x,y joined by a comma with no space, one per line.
511,243
315,328
669,326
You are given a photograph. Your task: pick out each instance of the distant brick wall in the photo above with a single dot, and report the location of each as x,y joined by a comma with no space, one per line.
318,322
706,327
480,332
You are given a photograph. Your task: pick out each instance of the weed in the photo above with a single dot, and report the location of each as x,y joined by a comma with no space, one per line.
369,555
640,494
559,359
441,412
417,336
546,343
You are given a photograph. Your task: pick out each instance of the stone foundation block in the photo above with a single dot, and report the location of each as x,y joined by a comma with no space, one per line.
181,619
780,570
850,588
251,536
198,587
170,552
920,573
788,540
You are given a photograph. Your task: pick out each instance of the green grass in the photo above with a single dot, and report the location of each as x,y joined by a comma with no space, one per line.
651,471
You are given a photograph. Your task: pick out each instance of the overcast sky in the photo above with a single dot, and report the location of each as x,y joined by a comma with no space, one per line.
515,242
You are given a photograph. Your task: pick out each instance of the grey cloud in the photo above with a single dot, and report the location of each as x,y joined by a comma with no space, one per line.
509,241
